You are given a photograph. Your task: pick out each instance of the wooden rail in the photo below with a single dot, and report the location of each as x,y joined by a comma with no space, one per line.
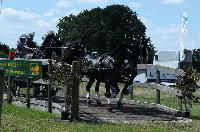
160,87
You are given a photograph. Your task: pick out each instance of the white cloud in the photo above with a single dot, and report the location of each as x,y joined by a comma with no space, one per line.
135,5
13,23
93,1
61,4
13,16
52,12
173,28
166,38
173,2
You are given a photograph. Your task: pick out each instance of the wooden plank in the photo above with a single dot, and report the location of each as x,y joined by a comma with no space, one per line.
159,87
165,108
157,101
168,90
50,87
28,93
75,89
44,61
9,96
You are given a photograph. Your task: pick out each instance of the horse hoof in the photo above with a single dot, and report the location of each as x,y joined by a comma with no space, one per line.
89,102
98,103
119,104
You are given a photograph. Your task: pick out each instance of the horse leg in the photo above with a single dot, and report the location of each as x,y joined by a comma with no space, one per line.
97,92
115,90
128,85
108,96
127,88
89,85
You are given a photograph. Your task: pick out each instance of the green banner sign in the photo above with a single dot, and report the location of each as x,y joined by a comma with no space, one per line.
22,68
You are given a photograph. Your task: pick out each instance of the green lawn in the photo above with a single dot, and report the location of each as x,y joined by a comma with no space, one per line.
20,119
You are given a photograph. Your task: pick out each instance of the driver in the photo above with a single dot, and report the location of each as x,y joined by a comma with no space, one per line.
21,44
30,45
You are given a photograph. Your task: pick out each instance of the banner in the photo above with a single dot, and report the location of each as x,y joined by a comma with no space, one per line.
22,68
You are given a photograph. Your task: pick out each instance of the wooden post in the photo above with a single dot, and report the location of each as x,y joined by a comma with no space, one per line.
9,96
158,91
180,103
75,89
65,114
28,93
2,84
131,96
49,86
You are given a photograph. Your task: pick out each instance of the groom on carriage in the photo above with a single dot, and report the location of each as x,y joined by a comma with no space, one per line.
26,46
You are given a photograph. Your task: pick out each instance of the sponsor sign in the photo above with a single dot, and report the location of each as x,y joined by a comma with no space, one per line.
164,76
22,68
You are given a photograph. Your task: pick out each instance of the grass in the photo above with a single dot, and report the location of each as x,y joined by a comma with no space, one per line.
21,119
141,94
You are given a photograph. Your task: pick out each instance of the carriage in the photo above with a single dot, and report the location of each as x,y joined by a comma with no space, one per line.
110,68
28,51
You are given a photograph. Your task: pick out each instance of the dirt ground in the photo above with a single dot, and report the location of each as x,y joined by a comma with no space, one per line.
130,112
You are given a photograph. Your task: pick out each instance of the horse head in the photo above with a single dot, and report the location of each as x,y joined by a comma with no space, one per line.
51,46
74,51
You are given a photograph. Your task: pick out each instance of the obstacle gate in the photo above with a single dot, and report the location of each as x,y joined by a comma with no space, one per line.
158,87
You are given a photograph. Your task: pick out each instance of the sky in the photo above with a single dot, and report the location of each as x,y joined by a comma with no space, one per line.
162,18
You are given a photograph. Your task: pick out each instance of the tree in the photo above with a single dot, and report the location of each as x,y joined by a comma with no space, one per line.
196,59
104,29
4,50
188,84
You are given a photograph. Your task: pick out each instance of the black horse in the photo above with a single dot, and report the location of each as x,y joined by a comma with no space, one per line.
107,68
51,46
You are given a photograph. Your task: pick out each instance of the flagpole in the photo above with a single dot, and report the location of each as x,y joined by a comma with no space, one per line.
183,32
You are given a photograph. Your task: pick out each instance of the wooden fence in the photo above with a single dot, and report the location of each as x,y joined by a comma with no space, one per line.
74,104
161,88
75,90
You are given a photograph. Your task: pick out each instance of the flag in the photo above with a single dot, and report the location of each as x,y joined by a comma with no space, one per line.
183,32
185,19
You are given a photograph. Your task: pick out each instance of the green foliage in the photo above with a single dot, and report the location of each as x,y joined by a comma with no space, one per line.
11,49
188,85
104,29
151,53
196,59
4,48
